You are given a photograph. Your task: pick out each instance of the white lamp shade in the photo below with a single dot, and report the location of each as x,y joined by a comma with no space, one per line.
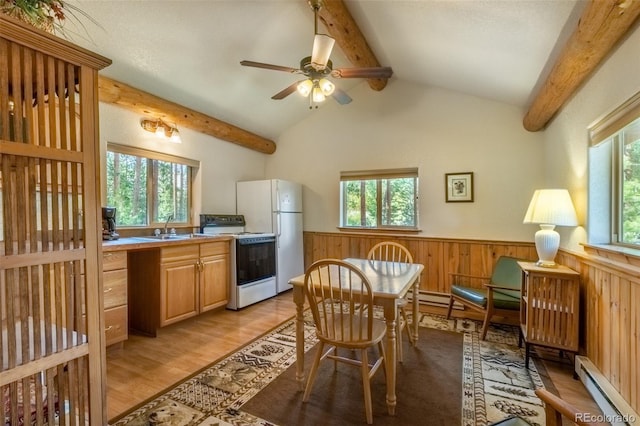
322,46
305,87
552,207
317,94
548,208
326,86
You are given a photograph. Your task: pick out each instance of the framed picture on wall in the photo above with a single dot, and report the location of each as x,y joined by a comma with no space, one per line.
459,187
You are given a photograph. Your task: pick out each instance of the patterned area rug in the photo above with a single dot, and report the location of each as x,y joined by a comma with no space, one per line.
495,382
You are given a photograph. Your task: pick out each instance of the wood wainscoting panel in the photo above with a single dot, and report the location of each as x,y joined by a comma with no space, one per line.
610,320
440,256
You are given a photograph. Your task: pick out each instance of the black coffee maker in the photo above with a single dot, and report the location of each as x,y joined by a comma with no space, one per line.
109,224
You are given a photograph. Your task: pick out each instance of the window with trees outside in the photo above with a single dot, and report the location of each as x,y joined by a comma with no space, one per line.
614,177
379,199
148,188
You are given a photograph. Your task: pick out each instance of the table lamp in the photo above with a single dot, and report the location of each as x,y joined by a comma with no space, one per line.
550,208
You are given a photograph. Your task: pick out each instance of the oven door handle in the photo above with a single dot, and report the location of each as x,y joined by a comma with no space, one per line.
253,241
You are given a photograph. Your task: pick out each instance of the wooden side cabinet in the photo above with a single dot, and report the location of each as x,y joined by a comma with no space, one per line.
550,308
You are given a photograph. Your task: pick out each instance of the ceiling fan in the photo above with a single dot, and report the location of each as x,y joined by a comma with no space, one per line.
317,67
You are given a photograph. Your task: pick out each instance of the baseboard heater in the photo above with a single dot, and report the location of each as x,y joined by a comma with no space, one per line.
433,298
614,408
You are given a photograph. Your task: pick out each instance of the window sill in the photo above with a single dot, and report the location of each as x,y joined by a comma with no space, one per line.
380,230
618,254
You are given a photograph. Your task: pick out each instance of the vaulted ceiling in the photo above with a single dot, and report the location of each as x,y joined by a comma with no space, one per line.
527,53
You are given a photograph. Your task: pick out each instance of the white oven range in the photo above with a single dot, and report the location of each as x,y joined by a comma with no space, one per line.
252,277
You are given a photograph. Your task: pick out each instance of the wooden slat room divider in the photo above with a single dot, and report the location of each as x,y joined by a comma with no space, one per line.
51,352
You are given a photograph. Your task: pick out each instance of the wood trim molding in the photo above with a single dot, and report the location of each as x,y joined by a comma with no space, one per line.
27,35
602,24
343,28
143,103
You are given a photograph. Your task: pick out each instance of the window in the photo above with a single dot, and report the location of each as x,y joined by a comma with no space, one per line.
379,199
614,177
148,188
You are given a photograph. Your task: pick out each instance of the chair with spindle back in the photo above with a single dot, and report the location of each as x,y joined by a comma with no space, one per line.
390,251
341,303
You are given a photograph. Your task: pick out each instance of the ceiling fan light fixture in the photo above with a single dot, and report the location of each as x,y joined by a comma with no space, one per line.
326,86
317,94
322,47
305,87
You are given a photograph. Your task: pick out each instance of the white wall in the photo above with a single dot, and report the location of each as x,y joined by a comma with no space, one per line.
566,140
221,163
436,130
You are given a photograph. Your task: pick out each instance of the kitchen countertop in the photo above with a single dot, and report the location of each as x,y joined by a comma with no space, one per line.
137,243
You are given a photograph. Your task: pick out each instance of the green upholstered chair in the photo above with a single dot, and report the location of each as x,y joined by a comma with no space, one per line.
499,294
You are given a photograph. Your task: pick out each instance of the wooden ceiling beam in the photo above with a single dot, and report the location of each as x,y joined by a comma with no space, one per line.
602,24
343,28
146,104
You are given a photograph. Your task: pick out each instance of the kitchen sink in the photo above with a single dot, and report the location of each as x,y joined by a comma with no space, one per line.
171,237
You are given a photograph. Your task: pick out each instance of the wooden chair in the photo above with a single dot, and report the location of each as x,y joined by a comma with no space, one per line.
394,252
500,295
341,301
555,409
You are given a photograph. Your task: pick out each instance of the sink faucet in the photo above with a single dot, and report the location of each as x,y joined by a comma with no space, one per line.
170,217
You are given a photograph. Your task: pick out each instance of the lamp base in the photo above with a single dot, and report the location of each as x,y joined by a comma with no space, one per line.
547,243
546,264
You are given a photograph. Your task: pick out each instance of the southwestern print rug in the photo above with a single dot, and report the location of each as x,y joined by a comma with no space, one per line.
494,382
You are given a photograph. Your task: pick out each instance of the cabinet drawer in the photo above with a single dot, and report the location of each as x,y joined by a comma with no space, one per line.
115,325
212,249
115,288
114,260
179,253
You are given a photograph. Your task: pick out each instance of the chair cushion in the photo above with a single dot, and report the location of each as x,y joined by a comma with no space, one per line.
507,273
478,296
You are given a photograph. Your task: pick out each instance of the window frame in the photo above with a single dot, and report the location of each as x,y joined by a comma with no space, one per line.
149,156
605,135
378,176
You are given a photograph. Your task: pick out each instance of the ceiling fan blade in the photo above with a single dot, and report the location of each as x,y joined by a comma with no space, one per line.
286,91
341,96
268,66
322,47
370,72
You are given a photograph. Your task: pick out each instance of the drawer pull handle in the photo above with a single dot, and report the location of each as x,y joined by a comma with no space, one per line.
107,290
108,328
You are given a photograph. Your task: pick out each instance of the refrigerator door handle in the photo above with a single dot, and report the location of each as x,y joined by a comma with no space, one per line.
279,226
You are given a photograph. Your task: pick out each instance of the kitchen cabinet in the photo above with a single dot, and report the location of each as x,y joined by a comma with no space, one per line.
114,267
550,307
175,282
179,283
214,275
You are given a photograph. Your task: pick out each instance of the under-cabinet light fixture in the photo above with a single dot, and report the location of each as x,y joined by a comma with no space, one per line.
161,129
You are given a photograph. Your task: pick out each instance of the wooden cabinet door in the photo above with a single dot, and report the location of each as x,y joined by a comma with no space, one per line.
214,282
178,291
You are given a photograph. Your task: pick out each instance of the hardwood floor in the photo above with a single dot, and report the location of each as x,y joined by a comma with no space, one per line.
144,367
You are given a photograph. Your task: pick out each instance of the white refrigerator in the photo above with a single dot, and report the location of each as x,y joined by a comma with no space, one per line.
275,206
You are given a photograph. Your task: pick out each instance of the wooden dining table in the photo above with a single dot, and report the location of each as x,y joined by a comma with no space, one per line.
390,281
